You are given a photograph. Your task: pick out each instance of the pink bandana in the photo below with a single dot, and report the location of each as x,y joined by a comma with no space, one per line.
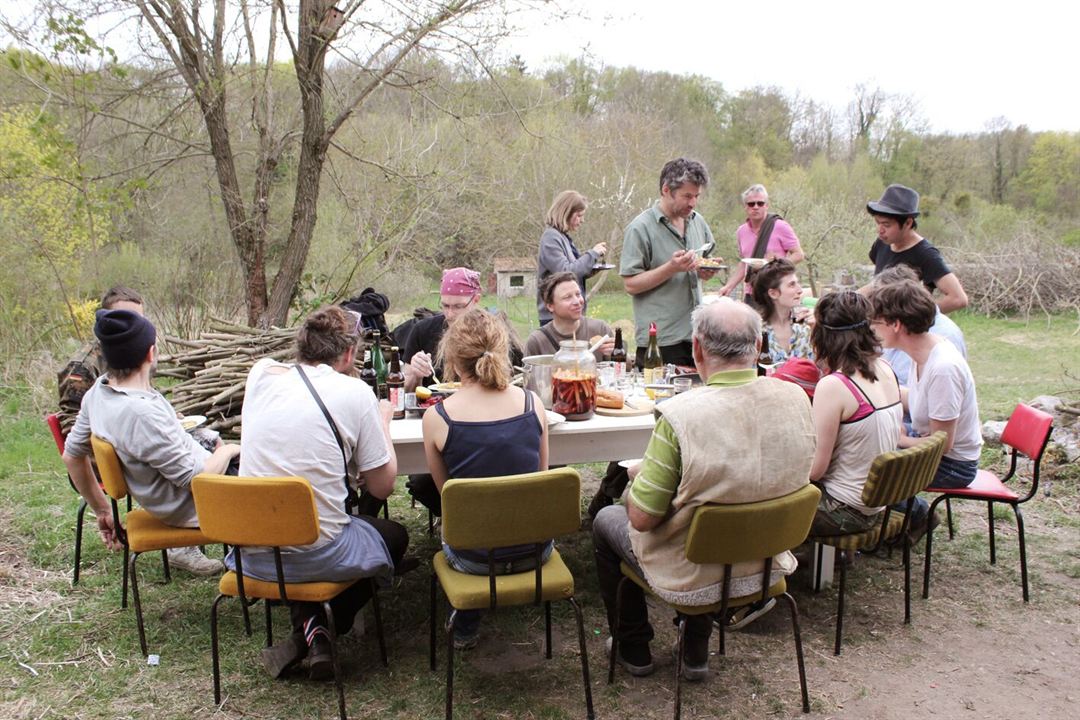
460,281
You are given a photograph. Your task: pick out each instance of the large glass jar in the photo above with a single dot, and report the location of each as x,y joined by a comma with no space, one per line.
573,380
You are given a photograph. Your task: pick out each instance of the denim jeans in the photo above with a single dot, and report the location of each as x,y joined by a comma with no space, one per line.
954,474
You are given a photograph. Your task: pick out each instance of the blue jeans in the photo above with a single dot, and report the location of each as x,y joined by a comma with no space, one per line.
467,623
954,474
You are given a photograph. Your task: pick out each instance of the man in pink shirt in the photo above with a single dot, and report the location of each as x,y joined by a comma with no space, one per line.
782,241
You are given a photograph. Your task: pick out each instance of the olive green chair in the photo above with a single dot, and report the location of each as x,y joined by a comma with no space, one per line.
895,476
726,535
496,512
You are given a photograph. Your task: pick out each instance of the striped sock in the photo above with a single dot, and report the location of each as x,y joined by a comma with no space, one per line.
312,628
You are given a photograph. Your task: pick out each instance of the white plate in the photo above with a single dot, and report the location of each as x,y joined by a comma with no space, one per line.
190,422
554,418
755,263
627,464
446,388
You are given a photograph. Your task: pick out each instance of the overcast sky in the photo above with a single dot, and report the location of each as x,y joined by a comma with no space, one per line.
963,62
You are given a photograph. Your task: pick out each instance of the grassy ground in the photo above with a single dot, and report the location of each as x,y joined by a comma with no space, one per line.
974,646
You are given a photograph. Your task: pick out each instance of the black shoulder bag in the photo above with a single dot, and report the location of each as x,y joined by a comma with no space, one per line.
352,500
764,233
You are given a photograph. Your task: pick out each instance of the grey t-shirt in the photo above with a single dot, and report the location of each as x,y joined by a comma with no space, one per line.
540,341
648,242
158,457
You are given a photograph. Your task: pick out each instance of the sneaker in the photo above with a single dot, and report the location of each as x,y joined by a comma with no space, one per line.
743,616
465,642
690,673
193,560
279,658
320,658
639,663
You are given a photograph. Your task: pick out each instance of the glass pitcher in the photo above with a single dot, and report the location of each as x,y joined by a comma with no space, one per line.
573,380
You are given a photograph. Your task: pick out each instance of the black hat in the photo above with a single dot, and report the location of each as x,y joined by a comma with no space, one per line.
125,337
896,200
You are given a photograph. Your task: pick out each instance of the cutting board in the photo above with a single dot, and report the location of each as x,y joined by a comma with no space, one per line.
643,406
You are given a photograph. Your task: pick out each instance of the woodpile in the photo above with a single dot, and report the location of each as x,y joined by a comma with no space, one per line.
212,370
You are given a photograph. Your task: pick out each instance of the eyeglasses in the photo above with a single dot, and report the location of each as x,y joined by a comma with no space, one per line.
757,203
447,307
359,317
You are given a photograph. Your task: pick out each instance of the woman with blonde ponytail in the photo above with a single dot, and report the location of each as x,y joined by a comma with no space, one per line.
488,428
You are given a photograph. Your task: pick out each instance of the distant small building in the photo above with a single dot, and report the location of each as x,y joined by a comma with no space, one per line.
515,276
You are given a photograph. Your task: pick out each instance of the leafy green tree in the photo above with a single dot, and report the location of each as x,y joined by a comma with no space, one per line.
1052,176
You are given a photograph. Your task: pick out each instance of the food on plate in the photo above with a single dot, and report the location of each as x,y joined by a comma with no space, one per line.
446,387
422,393
428,401
754,263
189,423
606,398
710,264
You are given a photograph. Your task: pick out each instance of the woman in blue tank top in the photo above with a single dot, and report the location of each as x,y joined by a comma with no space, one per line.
488,428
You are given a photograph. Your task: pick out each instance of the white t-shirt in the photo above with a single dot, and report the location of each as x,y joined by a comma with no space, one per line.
945,390
285,433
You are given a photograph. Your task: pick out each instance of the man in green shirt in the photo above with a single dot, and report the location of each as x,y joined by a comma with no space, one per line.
659,265
713,445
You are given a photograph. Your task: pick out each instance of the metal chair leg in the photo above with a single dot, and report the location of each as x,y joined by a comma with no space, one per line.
842,556
589,712
138,604
124,582
165,566
334,659
678,666
547,629
450,663
929,547
615,631
214,658
78,540
378,622
268,607
798,649
433,620
990,524
907,579
948,516
1023,550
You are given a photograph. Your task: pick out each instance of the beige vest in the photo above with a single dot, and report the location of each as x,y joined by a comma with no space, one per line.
738,444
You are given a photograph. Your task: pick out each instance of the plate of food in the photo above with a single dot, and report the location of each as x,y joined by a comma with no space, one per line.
190,422
754,263
711,264
446,388
554,418
602,266
627,464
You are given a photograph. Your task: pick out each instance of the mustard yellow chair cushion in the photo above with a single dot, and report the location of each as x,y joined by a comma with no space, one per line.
266,590
473,592
146,533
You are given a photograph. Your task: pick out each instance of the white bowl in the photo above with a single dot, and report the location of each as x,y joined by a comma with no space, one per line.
754,263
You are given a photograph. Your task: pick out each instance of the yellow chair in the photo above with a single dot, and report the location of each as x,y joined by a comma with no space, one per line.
895,476
268,512
140,531
729,534
500,512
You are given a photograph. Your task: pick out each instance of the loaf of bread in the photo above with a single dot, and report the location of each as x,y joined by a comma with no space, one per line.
612,399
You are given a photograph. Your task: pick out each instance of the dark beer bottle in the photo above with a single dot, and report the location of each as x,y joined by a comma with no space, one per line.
653,364
618,356
764,360
395,385
367,374
378,361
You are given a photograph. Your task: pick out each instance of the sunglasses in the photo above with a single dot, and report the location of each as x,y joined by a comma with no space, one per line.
757,203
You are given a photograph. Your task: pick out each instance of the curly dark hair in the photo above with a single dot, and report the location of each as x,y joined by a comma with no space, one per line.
842,337
769,278
907,301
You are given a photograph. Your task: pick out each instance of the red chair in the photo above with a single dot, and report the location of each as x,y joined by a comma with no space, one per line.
1027,433
53,421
